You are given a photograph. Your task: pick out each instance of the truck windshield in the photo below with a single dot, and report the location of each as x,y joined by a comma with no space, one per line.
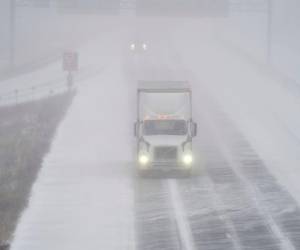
165,127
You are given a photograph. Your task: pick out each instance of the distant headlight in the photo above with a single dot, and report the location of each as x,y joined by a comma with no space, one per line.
187,159
132,46
145,46
143,159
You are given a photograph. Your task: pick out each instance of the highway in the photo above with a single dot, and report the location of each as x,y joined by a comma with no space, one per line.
88,195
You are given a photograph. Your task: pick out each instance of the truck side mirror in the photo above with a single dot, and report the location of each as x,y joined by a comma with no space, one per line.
194,129
136,129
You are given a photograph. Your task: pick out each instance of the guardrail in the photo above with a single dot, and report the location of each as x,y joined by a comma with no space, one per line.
52,87
34,92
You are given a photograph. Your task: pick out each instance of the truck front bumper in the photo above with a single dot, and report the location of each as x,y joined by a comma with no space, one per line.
165,166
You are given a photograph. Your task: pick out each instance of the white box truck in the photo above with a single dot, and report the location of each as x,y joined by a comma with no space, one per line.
164,128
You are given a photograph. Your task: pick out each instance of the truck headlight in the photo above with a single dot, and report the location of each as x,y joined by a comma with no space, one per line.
187,159
144,159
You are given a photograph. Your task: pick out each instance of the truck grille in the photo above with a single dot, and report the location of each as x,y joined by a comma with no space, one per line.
165,153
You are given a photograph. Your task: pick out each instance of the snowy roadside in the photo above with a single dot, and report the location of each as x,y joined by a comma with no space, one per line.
263,108
287,91
35,83
83,196
47,81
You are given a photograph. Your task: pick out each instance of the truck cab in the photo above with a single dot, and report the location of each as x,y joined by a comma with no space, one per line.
164,128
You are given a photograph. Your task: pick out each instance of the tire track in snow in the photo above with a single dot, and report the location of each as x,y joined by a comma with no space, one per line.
184,230
155,222
262,212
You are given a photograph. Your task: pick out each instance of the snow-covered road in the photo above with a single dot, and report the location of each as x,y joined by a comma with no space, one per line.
87,195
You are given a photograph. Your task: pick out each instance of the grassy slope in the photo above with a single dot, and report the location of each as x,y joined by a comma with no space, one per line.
26,132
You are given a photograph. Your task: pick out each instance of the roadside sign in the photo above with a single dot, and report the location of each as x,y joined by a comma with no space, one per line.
70,61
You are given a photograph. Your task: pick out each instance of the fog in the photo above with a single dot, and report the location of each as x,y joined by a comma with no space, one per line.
78,170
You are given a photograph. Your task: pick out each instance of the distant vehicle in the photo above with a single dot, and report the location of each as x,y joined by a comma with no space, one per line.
164,128
138,47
